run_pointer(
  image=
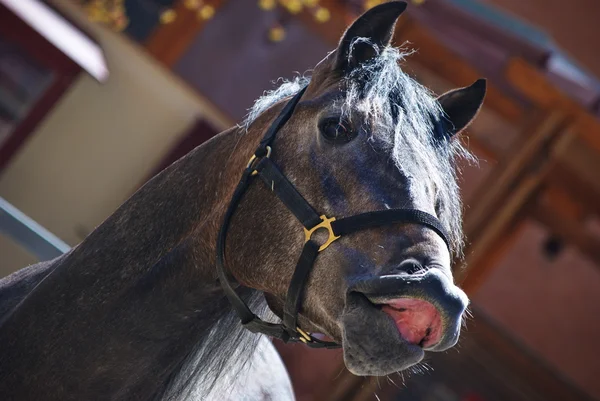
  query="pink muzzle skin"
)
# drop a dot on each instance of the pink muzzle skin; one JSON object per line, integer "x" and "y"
{"x": 418, "y": 321}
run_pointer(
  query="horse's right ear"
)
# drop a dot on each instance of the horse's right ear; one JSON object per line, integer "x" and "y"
{"x": 374, "y": 30}
{"x": 462, "y": 105}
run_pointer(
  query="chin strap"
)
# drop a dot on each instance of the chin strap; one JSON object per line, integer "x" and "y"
{"x": 262, "y": 166}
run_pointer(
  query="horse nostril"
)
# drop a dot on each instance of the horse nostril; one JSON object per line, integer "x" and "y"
{"x": 411, "y": 266}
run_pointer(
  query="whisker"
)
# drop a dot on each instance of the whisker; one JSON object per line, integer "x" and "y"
{"x": 391, "y": 381}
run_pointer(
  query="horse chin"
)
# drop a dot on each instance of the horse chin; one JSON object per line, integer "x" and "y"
{"x": 371, "y": 342}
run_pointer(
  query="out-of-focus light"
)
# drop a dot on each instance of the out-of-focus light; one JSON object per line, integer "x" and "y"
{"x": 206, "y": 12}
{"x": 267, "y": 4}
{"x": 293, "y": 6}
{"x": 192, "y": 4}
{"x": 368, "y": 4}
{"x": 168, "y": 16}
{"x": 58, "y": 31}
{"x": 111, "y": 14}
{"x": 276, "y": 34}
{"x": 322, "y": 14}
{"x": 310, "y": 3}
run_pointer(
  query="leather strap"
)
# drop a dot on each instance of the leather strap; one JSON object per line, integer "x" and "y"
{"x": 279, "y": 122}
{"x": 387, "y": 217}
{"x": 287, "y": 193}
{"x": 244, "y": 313}
{"x": 297, "y": 284}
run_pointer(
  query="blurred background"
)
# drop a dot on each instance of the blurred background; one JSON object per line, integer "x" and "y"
{"x": 96, "y": 96}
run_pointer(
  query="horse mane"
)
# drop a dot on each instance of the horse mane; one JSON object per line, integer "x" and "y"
{"x": 406, "y": 118}
{"x": 269, "y": 98}
{"x": 225, "y": 350}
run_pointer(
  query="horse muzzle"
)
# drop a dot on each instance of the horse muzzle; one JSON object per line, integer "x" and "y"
{"x": 426, "y": 308}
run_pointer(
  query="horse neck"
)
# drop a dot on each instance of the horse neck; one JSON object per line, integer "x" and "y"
{"x": 149, "y": 267}
{"x": 205, "y": 180}
{"x": 195, "y": 193}
{"x": 177, "y": 213}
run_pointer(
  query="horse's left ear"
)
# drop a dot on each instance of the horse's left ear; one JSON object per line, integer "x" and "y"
{"x": 375, "y": 26}
{"x": 462, "y": 105}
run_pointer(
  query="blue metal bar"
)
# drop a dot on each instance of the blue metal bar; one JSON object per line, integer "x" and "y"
{"x": 29, "y": 234}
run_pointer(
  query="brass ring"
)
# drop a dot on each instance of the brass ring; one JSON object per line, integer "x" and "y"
{"x": 253, "y": 159}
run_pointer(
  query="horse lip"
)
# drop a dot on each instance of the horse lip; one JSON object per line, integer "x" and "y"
{"x": 432, "y": 286}
{"x": 363, "y": 313}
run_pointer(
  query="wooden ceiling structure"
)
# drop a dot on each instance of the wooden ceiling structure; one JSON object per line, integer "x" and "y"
{"x": 549, "y": 173}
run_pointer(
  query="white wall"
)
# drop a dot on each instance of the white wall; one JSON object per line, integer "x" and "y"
{"x": 98, "y": 143}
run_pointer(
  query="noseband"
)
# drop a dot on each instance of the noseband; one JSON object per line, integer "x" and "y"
{"x": 262, "y": 166}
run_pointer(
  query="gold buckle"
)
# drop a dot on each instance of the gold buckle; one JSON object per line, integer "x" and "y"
{"x": 304, "y": 336}
{"x": 253, "y": 159}
{"x": 325, "y": 223}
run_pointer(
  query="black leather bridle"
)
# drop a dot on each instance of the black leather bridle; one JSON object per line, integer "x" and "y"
{"x": 262, "y": 166}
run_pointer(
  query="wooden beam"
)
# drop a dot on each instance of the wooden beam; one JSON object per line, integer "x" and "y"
{"x": 533, "y": 84}
{"x": 584, "y": 161}
{"x": 529, "y": 81}
{"x": 498, "y": 223}
{"x": 561, "y": 200}
{"x": 534, "y": 135}
{"x": 437, "y": 58}
{"x": 577, "y": 187}
{"x": 495, "y": 238}
{"x": 170, "y": 41}
{"x": 588, "y": 128}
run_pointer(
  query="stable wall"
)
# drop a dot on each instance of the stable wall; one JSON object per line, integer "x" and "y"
{"x": 98, "y": 144}
{"x": 549, "y": 305}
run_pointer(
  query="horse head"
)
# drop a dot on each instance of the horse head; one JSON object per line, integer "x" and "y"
{"x": 364, "y": 137}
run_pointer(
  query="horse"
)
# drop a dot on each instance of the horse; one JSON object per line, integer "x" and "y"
{"x": 148, "y": 305}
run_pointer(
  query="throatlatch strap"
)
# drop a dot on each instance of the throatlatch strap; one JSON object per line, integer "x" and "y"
{"x": 240, "y": 307}
{"x": 299, "y": 279}
{"x": 248, "y": 319}
{"x": 381, "y": 218}
{"x": 285, "y": 190}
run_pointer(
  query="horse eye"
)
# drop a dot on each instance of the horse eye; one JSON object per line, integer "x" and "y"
{"x": 336, "y": 131}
